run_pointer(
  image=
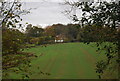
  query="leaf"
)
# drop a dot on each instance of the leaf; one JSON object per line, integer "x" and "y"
{"x": 5, "y": 12}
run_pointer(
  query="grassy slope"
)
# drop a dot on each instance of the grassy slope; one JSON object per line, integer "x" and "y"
{"x": 65, "y": 61}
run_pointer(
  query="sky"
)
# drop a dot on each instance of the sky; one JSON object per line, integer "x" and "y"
{"x": 45, "y": 13}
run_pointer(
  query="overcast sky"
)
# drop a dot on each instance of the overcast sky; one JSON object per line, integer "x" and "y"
{"x": 45, "y": 13}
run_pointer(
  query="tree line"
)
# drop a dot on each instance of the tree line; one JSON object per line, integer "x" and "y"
{"x": 70, "y": 33}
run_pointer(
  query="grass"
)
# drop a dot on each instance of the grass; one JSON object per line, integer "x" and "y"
{"x": 64, "y": 61}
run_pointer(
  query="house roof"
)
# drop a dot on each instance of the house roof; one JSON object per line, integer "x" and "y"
{"x": 59, "y": 37}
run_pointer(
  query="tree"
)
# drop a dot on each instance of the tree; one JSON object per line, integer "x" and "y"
{"x": 104, "y": 16}
{"x": 50, "y": 31}
{"x": 10, "y": 14}
{"x": 13, "y": 40}
{"x": 34, "y": 31}
{"x": 100, "y": 13}
{"x": 73, "y": 30}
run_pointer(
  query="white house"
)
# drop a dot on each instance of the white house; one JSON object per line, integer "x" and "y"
{"x": 59, "y": 38}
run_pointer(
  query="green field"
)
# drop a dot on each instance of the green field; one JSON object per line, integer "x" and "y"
{"x": 64, "y": 61}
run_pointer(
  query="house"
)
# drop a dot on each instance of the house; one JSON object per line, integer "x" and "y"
{"x": 59, "y": 38}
